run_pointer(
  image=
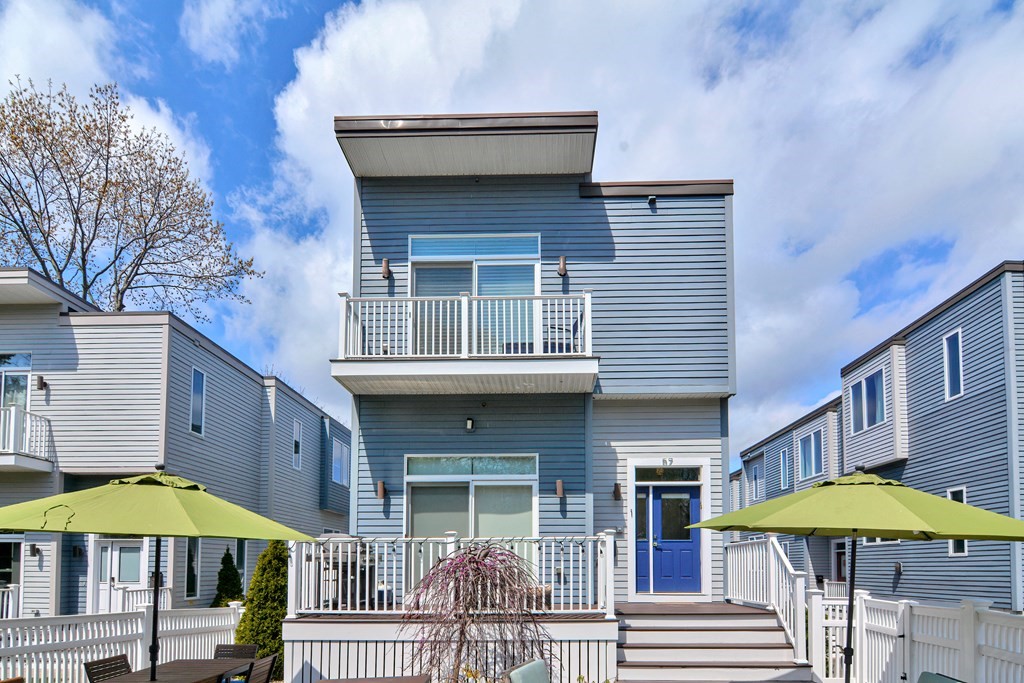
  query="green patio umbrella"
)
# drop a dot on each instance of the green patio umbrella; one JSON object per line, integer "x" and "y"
{"x": 157, "y": 505}
{"x": 865, "y": 505}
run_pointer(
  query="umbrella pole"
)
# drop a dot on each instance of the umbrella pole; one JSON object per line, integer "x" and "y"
{"x": 848, "y": 651}
{"x": 154, "y": 647}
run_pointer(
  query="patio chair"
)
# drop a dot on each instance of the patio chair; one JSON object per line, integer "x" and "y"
{"x": 16, "y": 679}
{"x": 262, "y": 670}
{"x": 237, "y": 651}
{"x": 105, "y": 669}
{"x": 927, "y": 677}
{"x": 534, "y": 671}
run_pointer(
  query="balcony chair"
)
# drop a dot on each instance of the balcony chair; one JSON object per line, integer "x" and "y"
{"x": 534, "y": 671}
{"x": 237, "y": 651}
{"x": 262, "y": 670}
{"x": 927, "y": 677}
{"x": 105, "y": 669}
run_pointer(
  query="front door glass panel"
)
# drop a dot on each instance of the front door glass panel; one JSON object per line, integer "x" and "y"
{"x": 675, "y": 516}
{"x": 129, "y": 565}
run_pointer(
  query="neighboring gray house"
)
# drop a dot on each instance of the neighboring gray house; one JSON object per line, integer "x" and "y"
{"x": 88, "y": 396}
{"x": 940, "y": 406}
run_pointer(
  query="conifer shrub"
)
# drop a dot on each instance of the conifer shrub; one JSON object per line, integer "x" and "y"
{"x": 266, "y": 605}
{"x": 229, "y": 582}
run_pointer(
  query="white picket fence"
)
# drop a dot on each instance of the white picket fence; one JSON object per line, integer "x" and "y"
{"x": 898, "y": 641}
{"x": 50, "y": 649}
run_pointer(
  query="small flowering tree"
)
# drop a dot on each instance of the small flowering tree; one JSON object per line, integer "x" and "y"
{"x": 473, "y": 615}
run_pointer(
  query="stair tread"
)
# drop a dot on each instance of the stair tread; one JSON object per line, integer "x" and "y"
{"x": 690, "y": 627}
{"x": 708, "y": 646}
{"x": 713, "y": 664}
{"x": 688, "y": 608}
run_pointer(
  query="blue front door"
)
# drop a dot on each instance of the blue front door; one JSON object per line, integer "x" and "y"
{"x": 667, "y": 553}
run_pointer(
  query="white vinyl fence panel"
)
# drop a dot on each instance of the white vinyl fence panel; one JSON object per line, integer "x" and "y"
{"x": 48, "y": 649}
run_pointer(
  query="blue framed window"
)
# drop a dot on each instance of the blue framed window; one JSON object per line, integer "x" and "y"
{"x": 811, "y": 461}
{"x": 867, "y": 401}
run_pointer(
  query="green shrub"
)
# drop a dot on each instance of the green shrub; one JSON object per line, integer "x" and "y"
{"x": 266, "y": 605}
{"x": 229, "y": 582}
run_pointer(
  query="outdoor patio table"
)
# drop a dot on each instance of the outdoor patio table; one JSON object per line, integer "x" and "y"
{"x": 190, "y": 671}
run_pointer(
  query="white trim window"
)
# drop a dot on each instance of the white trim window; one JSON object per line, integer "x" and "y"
{"x": 297, "y": 444}
{"x": 867, "y": 401}
{"x": 15, "y": 371}
{"x": 197, "y": 405}
{"x": 340, "y": 456}
{"x": 953, "y": 364}
{"x": 957, "y": 547}
{"x": 755, "y": 482}
{"x": 785, "y": 549}
{"x": 871, "y": 540}
{"x": 811, "y": 459}
{"x": 785, "y": 468}
{"x": 241, "y": 558}
{"x": 193, "y": 560}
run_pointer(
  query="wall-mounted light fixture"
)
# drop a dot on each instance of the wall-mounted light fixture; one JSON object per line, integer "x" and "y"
{"x": 559, "y": 489}
{"x": 382, "y": 490}
{"x": 41, "y": 383}
{"x": 33, "y": 550}
{"x": 470, "y": 425}
{"x": 617, "y": 491}
{"x": 652, "y": 201}
{"x": 385, "y": 268}
{"x": 898, "y": 568}
{"x": 563, "y": 270}
{"x": 77, "y": 551}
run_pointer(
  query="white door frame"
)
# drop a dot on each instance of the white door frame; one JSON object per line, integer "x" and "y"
{"x": 704, "y": 484}
{"x": 832, "y": 566}
{"x": 93, "y": 572}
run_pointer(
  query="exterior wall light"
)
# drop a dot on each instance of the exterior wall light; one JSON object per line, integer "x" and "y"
{"x": 652, "y": 201}
{"x": 33, "y": 550}
{"x": 382, "y": 490}
{"x": 617, "y": 491}
{"x": 41, "y": 383}
{"x": 385, "y": 268}
{"x": 563, "y": 270}
{"x": 470, "y": 425}
{"x": 559, "y": 489}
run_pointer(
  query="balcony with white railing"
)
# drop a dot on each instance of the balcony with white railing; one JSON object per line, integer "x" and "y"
{"x": 466, "y": 344}
{"x": 26, "y": 444}
{"x": 10, "y": 601}
{"x": 357, "y": 576}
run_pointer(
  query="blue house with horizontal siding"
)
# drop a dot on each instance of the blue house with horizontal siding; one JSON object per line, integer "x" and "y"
{"x": 939, "y": 406}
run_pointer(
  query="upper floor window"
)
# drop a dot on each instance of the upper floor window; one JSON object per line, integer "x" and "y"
{"x": 952, "y": 355}
{"x": 957, "y": 547}
{"x": 811, "y": 462}
{"x": 198, "y": 409}
{"x": 340, "y": 463}
{"x": 470, "y": 247}
{"x": 14, "y": 372}
{"x": 755, "y": 481}
{"x": 785, "y": 467}
{"x": 867, "y": 401}
{"x": 297, "y": 445}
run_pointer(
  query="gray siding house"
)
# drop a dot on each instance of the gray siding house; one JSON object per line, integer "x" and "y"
{"x": 88, "y": 396}
{"x": 938, "y": 405}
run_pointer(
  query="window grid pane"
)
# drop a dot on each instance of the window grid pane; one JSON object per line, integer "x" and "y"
{"x": 857, "y": 402}
{"x": 527, "y": 246}
{"x": 953, "y": 366}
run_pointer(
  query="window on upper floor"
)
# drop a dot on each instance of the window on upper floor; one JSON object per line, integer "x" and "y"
{"x": 785, "y": 467}
{"x": 811, "y": 461}
{"x": 14, "y": 371}
{"x": 340, "y": 462}
{"x": 198, "y": 406}
{"x": 755, "y": 482}
{"x": 867, "y": 401}
{"x": 953, "y": 364}
{"x": 957, "y": 547}
{"x": 297, "y": 445}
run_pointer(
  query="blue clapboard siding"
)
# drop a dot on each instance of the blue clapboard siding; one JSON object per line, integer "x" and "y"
{"x": 551, "y": 426}
{"x": 659, "y": 277}
{"x": 962, "y": 442}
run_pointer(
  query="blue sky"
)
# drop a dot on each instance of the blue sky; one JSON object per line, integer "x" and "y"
{"x": 877, "y": 147}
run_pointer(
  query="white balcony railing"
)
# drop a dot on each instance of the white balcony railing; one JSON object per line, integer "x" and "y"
{"x": 835, "y": 589}
{"x": 131, "y": 599}
{"x": 24, "y": 433}
{"x": 465, "y": 326}
{"x": 10, "y": 601}
{"x": 360, "y": 575}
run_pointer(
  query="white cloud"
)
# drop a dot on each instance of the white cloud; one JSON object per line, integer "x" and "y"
{"x": 846, "y": 141}
{"x": 216, "y": 30}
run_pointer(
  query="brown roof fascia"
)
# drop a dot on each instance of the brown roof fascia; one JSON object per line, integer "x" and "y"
{"x": 662, "y": 188}
{"x": 816, "y": 413}
{"x": 465, "y": 124}
{"x": 901, "y": 337}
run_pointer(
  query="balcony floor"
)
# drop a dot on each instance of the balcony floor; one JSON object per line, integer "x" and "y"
{"x": 17, "y": 462}
{"x": 497, "y": 375}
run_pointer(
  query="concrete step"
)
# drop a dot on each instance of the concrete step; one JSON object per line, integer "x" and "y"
{"x": 683, "y": 654}
{"x": 717, "y": 671}
{"x": 749, "y": 635}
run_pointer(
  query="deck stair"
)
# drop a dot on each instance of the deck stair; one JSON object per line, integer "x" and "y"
{"x": 661, "y": 642}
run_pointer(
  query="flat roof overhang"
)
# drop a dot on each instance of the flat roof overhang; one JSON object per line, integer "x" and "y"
{"x": 572, "y": 375}
{"x": 16, "y": 462}
{"x": 545, "y": 143}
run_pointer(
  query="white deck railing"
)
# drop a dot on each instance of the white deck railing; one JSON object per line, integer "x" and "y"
{"x": 835, "y": 589}
{"x": 46, "y": 649}
{"x": 131, "y": 599}
{"x": 465, "y": 326}
{"x": 24, "y": 433}
{"x": 10, "y": 601}
{"x": 759, "y": 574}
{"x": 359, "y": 575}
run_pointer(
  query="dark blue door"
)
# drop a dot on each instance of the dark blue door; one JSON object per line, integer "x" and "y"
{"x": 675, "y": 550}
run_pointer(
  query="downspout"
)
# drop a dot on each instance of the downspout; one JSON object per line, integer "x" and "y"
{"x": 1013, "y": 436}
